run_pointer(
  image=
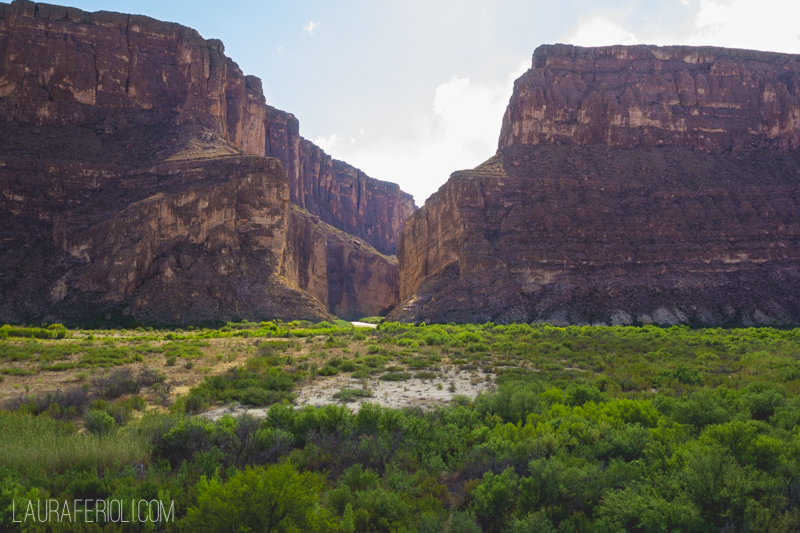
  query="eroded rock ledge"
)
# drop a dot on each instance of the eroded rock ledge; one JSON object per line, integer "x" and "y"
{"x": 139, "y": 177}
{"x": 622, "y": 194}
{"x": 60, "y": 65}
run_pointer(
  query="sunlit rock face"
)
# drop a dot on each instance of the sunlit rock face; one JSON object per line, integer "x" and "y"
{"x": 711, "y": 99}
{"x": 139, "y": 178}
{"x": 634, "y": 184}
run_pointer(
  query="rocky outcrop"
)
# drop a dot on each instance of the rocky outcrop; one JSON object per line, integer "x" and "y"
{"x": 345, "y": 273}
{"x": 336, "y": 192}
{"x": 111, "y": 71}
{"x": 711, "y": 99}
{"x": 138, "y": 182}
{"x": 197, "y": 236}
{"x": 591, "y": 215}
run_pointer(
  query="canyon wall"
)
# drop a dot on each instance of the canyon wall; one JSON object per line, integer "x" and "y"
{"x": 712, "y": 99}
{"x": 632, "y": 185}
{"x": 199, "y": 235}
{"x": 111, "y": 71}
{"x": 336, "y": 192}
{"x": 140, "y": 180}
{"x": 343, "y": 272}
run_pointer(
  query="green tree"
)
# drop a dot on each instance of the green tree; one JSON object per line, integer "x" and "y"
{"x": 276, "y": 499}
{"x": 494, "y": 499}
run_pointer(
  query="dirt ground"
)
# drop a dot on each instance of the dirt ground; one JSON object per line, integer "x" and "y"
{"x": 225, "y": 353}
{"x": 414, "y": 392}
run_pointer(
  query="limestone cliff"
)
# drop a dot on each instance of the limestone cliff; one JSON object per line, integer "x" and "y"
{"x": 336, "y": 192}
{"x": 712, "y": 99}
{"x": 138, "y": 178}
{"x": 60, "y": 65}
{"x": 632, "y": 184}
{"x": 343, "y": 272}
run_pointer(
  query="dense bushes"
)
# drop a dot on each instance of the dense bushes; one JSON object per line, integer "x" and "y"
{"x": 277, "y": 498}
{"x": 251, "y": 387}
{"x": 590, "y": 430}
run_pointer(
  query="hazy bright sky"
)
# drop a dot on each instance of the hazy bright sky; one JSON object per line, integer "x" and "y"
{"x": 411, "y": 91}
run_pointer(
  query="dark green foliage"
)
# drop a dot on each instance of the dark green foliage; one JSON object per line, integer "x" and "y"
{"x": 396, "y": 376}
{"x": 351, "y": 395}
{"x": 590, "y": 429}
{"x": 99, "y": 422}
{"x": 328, "y": 370}
{"x": 494, "y": 499}
{"x": 273, "y": 499}
{"x": 251, "y": 387}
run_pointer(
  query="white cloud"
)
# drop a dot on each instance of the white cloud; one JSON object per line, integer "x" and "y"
{"x": 600, "y": 31}
{"x": 327, "y": 143}
{"x": 310, "y": 27}
{"x": 280, "y": 50}
{"x": 757, "y": 24}
{"x": 361, "y": 131}
{"x": 460, "y": 131}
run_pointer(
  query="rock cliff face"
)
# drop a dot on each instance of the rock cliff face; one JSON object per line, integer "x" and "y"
{"x": 336, "y": 192}
{"x": 134, "y": 182}
{"x": 60, "y": 65}
{"x": 623, "y": 192}
{"x": 343, "y": 272}
{"x": 712, "y": 99}
{"x": 199, "y": 235}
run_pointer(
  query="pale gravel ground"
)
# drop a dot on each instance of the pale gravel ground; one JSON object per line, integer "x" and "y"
{"x": 410, "y": 393}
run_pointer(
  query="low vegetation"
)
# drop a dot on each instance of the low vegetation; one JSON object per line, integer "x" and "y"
{"x": 589, "y": 429}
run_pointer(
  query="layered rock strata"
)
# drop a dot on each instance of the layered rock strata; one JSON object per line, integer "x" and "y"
{"x": 345, "y": 273}
{"x": 196, "y": 236}
{"x": 336, "y": 192}
{"x": 111, "y": 71}
{"x": 622, "y": 193}
{"x": 134, "y": 183}
{"x": 711, "y": 99}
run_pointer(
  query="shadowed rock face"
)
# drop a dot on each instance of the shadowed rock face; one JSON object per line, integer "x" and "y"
{"x": 585, "y": 217}
{"x": 133, "y": 183}
{"x": 60, "y": 65}
{"x": 343, "y": 272}
{"x": 336, "y": 192}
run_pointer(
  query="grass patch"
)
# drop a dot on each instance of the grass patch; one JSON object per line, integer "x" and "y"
{"x": 32, "y": 444}
{"x": 351, "y": 395}
{"x": 395, "y": 376}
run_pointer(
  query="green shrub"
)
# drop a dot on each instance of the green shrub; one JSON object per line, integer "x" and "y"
{"x": 395, "y": 376}
{"x": 328, "y": 370}
{"x": 276, "y": 498}
{"x": 99, "y": 423}
{"x": 351, "y": 395}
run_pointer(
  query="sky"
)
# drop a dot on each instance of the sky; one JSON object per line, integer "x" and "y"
{"x": 411, "y": 91}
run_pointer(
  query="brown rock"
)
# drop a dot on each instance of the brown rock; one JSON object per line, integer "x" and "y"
{"x": 711, "y": 99}
{"x": 570, "y": 224}
{"x": 134, "y": 182}
{"x": 197, "y": 238}
{"x": 338, "y": 193}
{"x": 343, "y": 272}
